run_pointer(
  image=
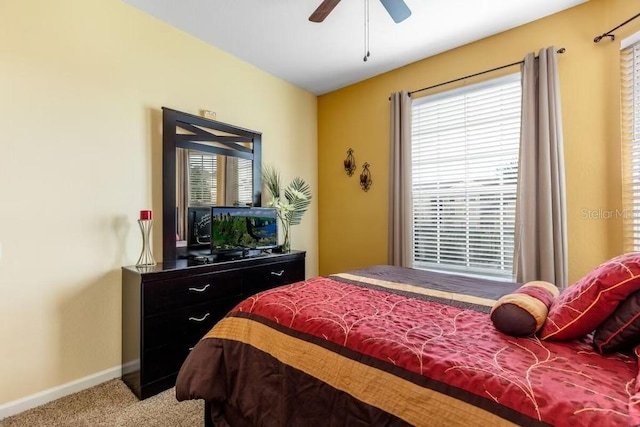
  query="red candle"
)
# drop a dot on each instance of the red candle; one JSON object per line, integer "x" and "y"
{"x": 145, "y": 215}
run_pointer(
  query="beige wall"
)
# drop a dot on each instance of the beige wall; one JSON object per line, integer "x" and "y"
{"x": 354, "y": 223}
{"x": 81, "y": 87}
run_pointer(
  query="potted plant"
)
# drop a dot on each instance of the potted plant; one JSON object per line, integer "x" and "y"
{"x": 291, "y": 207}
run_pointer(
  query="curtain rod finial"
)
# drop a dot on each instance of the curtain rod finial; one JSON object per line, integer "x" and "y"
{"x": 609, "y": 33}
{"x": 599, "y": 38}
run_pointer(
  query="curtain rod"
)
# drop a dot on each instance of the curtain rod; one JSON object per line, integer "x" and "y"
{"x": 608, "y": 33}
{"x": 561, "y": 50}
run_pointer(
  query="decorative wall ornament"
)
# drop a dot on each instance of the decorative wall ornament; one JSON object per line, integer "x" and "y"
{"x": 365, "y": 177}
{"x": 349, "y": 162}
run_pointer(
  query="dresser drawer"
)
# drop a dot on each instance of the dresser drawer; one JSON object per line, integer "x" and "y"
{"x": 270, "y": 276}
{"x": 166, "y": 295}
{"x": 163, "y": 361}
{"x": 187, "y": 325}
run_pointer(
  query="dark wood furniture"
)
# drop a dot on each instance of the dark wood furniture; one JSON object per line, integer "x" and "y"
{"x": 167, "y": 308}
{"x": 187, "y": 131}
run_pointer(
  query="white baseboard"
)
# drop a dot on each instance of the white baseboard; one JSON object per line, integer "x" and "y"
{"x": 46, "y": 396}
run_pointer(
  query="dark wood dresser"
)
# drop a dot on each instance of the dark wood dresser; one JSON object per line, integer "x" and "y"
{"x": 167, "y": 308}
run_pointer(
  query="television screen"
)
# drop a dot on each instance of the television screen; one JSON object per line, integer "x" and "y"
{"x": 199, "y": 226}
{"x": 238, "y": 228}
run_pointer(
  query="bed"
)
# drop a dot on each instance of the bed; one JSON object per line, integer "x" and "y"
{"x": 392, "y": 346}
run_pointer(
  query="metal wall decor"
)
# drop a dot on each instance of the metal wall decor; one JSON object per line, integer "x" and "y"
{"x": 349, "y": 162}
{"x": 365, "y": 177}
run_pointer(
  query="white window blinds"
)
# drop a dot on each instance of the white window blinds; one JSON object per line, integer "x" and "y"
{"x": 245, "y": 182}
{"x": 630, "y": 130}
{"x": 206, "y": 173}
{"x": 465, "y": 146}
{"x": 202, "y": 178}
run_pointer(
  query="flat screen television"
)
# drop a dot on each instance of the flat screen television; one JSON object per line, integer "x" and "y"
{"x": 235, "y": 229}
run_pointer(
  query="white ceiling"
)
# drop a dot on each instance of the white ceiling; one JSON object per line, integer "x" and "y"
{"x": 276, "y": 35}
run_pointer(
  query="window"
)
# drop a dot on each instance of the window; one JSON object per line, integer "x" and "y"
{"x": 222, "y": 180}
{"x": 203, "y": 170}
{"x": 630, "y": 130}
{"x": 465, "y": 145}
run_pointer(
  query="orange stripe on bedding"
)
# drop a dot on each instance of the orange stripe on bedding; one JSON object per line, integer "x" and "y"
{"x": 418, "y": 290}
{"x": 408, "y": 401}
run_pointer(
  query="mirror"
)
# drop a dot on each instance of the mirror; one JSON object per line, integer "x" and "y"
{"x": 205, "y": 163}
{"x": 205, "y": 179}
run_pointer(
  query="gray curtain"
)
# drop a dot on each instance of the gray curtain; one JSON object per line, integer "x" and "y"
{"x": 400, "y": 251}
{"x": 540, "y": 251}
{"x": 182, "y": 192}
{"x": 231, "y": 186}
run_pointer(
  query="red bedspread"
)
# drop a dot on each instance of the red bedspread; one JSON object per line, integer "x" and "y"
{"x": 396, "y": 347}
{"x": 556, "y": 383}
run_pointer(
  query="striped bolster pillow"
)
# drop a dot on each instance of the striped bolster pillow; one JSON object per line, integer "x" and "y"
{"x": 523, "y": 312}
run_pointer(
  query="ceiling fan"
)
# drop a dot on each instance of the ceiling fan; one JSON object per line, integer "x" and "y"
{"x": 397, "y": 9}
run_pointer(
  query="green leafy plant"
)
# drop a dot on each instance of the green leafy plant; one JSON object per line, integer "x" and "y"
{"x": 291, "y": 207}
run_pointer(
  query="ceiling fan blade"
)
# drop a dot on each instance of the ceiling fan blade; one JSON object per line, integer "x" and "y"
{"x": 323, "y": 10}
{"x": 398, "y": 9}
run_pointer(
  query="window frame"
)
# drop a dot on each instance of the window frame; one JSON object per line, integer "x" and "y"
{"x": 506, "y": 272}
{"x": 630, "y": 141}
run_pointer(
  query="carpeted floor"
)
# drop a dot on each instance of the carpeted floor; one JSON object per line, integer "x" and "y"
{"x": 112, "y": 404}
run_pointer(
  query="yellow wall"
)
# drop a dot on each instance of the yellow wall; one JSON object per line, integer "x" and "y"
{"x": 81, "y": 87}
{"x": 353, "y": 223}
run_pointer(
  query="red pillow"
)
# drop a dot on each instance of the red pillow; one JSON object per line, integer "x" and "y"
{"x": 582, "y": 307}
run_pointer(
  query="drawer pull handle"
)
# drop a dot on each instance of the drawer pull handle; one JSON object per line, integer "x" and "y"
{"x": 199, "y": 319}
{"x": 202, "y": 289}
{"x": 278, "y": 273}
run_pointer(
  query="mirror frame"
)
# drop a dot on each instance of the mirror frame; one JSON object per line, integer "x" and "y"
{"x": 196, "y": 132}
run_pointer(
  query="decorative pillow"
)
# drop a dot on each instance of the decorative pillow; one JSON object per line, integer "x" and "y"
{"x": 523, "y": 312}
{"x": 621, "y": 330}
{"x": 581, "y": 308}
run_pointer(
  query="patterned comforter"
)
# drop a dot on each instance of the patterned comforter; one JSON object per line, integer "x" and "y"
{"x": 395, "y": 346}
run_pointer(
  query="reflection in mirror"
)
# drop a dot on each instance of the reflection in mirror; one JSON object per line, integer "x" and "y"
{"x": 204, "y": 163}
{"x": 209, "y": 179}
